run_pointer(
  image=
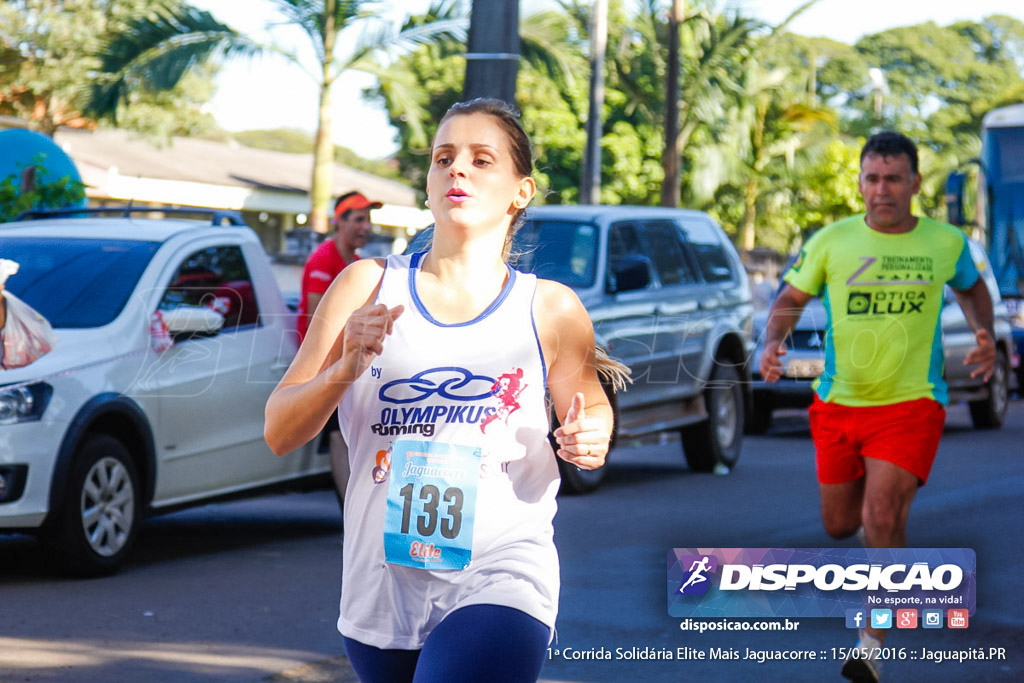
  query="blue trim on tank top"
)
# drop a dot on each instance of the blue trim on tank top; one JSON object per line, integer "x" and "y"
{"x": 414, "y": 264}
{"x": 536, "y": 336}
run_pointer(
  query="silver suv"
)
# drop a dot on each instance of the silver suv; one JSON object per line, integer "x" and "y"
{"x": 668, "y": 297}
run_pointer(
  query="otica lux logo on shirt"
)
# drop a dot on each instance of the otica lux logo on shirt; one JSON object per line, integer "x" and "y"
{"x": 903, "y": 278}
{"x": 447, "y": 395}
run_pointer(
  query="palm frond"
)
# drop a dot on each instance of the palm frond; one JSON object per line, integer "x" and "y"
{"x": 543, "y": 44}
{"x": 157, "y": 50}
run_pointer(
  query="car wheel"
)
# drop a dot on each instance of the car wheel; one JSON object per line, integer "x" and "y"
{"x": 760, "y": 418}
{"x": 989, "y": 412}
{"x": 98, "y": 522}
{"x": 715, "y": 443}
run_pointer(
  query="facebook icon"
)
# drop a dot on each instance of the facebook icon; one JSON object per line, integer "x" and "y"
{"x": 854, "y": 618}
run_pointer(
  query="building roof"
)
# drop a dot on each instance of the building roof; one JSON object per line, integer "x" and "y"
{"x": 187, "y": 160}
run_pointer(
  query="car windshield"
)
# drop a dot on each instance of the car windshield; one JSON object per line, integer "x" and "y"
{"x": 565, "y": 251}
{"x": 76, "y": 283}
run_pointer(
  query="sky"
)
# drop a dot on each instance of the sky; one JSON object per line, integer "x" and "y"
{"x": 271, "y": 92}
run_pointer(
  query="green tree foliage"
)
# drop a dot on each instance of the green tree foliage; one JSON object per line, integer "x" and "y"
{"x": 49, "y": 60}
{"x": 45, "y": 194}
{"x": 159, "y": 49}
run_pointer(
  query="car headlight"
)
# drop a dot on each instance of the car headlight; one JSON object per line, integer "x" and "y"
{"x": 24, "y": 403}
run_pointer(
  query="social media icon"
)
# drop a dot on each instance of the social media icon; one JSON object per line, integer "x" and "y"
{"x": 957, "y": 618}
{"x": 881, "y": 618}
{"x": 855, "y": 618}
{"x": 906, "y": 618}
{"x": 931, "y": 618}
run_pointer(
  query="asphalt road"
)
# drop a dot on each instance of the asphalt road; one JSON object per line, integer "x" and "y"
{"x": 248, "y": 591}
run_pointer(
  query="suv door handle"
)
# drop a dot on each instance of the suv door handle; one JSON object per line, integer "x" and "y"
{"x": 675, "y": 309}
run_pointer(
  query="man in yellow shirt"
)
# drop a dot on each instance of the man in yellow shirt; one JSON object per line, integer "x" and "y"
{"x": 878, "y": 413}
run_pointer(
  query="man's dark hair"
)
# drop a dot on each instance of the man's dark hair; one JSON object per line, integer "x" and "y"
{"x": 891, "y": 144}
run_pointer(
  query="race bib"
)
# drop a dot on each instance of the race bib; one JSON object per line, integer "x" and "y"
{"x": 431, "y": 504}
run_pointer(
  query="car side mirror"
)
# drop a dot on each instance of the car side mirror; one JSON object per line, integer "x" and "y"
{"x": 629, "y": 274}
{"x": 184, "y": 322}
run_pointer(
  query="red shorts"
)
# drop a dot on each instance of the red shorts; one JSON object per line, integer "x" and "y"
{"x": 905, "y": 434}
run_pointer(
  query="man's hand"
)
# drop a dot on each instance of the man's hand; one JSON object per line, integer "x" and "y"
{"x": 983, "y": 355}
{"x": 771, "y": 365}
{"x": 581, "y": 440}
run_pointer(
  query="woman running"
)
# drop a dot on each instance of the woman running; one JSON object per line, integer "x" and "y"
{"x": 438, "y": 364}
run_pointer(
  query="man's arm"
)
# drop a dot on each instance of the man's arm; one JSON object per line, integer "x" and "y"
{"x": 782, "y": 318}
{"x": 312, "y": 301}
{"x": 976, "y": 303}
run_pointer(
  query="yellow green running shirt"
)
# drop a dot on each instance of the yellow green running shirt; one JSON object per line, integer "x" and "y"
{"x": 883, "y": 296}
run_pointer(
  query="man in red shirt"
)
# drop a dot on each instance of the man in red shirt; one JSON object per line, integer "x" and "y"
{"x": 351, "y": 231}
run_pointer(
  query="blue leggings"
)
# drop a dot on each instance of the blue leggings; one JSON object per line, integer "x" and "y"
{"x": 475, "y": 643}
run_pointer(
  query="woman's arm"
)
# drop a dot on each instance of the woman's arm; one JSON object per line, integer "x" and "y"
{"x": 567, "y": 339}
{"x": 346, "y": 333}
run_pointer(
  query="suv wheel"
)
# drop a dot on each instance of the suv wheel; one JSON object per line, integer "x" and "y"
{"x": 717, "y": 441}
{"x": 989, "y": 412}
{"x": 98, "y": 522}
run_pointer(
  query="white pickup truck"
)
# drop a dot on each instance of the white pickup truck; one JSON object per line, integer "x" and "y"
{"x": 171, "y": 334}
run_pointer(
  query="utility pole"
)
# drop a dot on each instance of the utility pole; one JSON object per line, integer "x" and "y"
{"x": 670, "y": 155}
{"x": 492, "y": 51}
{"x": 590, "y": 181}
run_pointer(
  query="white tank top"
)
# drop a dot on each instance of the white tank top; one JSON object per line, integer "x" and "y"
{"x": 447, "y": 433}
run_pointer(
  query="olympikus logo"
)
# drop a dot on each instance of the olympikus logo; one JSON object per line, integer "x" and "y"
{"x": 451, "y": 383}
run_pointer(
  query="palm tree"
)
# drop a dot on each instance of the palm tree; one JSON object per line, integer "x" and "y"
{"x": 710, "y": 48}
{"x": 157, "y": 50}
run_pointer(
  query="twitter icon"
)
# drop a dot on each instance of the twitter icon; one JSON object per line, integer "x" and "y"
{"x": 881, "y": 618}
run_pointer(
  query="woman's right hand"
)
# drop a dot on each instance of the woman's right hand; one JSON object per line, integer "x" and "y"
{"x": 363, "y": 337}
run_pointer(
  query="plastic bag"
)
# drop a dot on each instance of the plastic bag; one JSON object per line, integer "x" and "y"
{"x": 26, "y": 335}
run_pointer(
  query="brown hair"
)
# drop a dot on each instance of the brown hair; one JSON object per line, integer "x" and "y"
{"x": 522, "y": 152}
{"x": 612, "y": 371}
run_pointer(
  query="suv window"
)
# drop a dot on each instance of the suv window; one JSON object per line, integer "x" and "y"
{"x": 215, "y": 277}
{"x": 76, "y": 283}
{"x": 667, "y": 253}
{"x": 558, "y": 250}
{"x": 712, "y": 258}
{"x": 624, "y": 241}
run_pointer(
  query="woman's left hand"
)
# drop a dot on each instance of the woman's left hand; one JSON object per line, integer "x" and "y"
{"x": 582, "y": 440}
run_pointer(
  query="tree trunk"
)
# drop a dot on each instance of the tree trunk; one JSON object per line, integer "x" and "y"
{"x": 323, "y": 148}
{"x": 748, "y": 224}
{"x": 590, "y": 185}
{"x": 670, "y": 156}
{"x": 752, "y": 191}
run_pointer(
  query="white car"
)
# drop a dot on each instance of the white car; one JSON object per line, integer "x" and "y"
{"x": 171, "y": 334}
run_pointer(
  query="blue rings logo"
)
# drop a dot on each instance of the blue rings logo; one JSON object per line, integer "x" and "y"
{"x": 451, "y": 383}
